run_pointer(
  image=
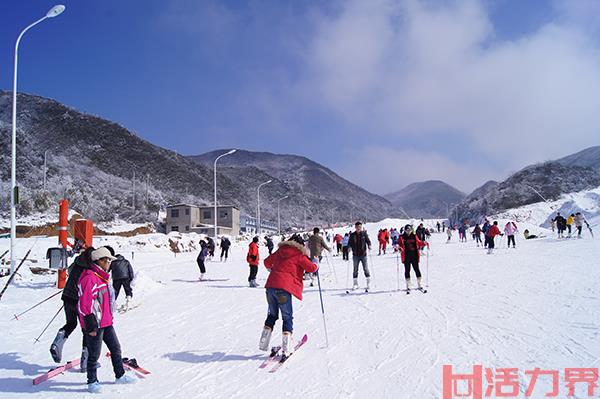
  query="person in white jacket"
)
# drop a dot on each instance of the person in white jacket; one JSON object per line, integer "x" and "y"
{"x": 510, "y": 229}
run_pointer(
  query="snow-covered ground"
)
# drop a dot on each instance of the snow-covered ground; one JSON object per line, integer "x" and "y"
{"x": 533, "y": 306}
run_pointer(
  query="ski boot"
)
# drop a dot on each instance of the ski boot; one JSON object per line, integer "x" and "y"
{"x": 368, "y": 284}
{"x": 265, "y": 338}
{"x": 57, "y": 346}
{"x": 355, "y": 284}
{"x": 201, "y": 278}
{"x": 419, "y": 283}
{"x": 287, "y": 345}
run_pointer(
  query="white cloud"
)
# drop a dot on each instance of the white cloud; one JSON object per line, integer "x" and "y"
{"x": 398, "y": 68}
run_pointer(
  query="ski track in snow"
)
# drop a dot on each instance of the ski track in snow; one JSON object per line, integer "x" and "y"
{"x": 533, "y": 306}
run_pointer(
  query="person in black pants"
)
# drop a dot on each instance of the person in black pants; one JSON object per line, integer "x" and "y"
{"x": 225, "y": 244}
{"x": 122, "y": 276}
{"x": 202, "y": 257}
{"x": 70, "y": 296}
{"x": 410, "y": 246}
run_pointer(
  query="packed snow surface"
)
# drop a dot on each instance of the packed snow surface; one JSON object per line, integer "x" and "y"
{"x": 533, "y": 306}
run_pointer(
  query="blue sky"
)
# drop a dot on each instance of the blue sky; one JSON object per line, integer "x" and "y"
{"x": 384, "y": 92}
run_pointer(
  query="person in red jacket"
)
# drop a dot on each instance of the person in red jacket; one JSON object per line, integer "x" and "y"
{"x": 410, "y": 245}
{"x": 491, "y": 234}
{"x": 287, "y": 267}
{"x": 253, "y": 259}
{"x": 381, "y": 237}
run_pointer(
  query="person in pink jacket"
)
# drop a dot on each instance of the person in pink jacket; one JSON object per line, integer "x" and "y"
{"x": 510, "y": 229}
{"x": 95, "y": 307}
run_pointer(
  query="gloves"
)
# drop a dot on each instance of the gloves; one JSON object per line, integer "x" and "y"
{"x": 253, "y": 257}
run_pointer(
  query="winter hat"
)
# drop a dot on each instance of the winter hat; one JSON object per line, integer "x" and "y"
{"x": 100, "y": 253}
{"x": 297, "y": 238}
{"x": 255, "y": 239}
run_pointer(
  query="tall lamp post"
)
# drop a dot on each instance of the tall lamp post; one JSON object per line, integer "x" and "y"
{"x": 215, "y": 181}
{"x": 258, "y": 229}
{"x": 54, "y": 11}
{"x": 278, "y": 215}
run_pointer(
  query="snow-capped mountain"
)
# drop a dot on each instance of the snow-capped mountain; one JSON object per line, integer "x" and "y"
{"x": 426, "y": 199}
{"x": 541, "y": 182}
{"x": 308, "y": 184}
{"x": 92, "y": 162}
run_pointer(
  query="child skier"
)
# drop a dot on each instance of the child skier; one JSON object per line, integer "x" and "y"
{"x": 287, "y": 266}
{"x": 492, "y": 232}
{"x": 253, "y": 258}
{"x": 95, "y": 306}
{"x": 510, "y": 229}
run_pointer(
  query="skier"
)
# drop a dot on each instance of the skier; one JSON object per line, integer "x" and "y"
{"x": 409, "y": 245}
{"x": 510, "y": 229}
{"x": 211, "y": 247}
{"x": 449, "y": 233}
{"x": 382, "y": 242}
{"x": 359, "y": 242}
{"x": 338, "y": 243}
{"x": 569, "y": 223}
{"x": 225, "y": 244}
{"x": 438, "y": 226}
{"x": 492, "y": 232}
{"x": 561, "y": 224}
{"x": 96, "y": 302}
{"x": 70, "y": 296}
{"x": 420, "y": 232}
{"x": 287, "y": 266}
{"x": 485, "y": 229}
{"x": 122, "y": 276}
{"x": 253, "y": 258}
{"x": 443, "y": 226}
{"x": 477, "y": 234}
{"x": 269, "y": 244}
{"x": 529, "y": 236}
{"x": 316, "y": 244}
{"x": 579, "y": 220}
{"x": 345, "y": 255}
{"x": 201, "y": 258}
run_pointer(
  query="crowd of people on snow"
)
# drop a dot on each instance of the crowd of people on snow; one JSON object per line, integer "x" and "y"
{"x": 89, "y": 295}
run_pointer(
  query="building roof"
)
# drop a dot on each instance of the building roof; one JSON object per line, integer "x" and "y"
{"x": 177, "y": 205}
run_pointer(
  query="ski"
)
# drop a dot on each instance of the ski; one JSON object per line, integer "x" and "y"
{"x": 273, "y": 356}
{"x": 124, "y": 309}
{"x": 56, "y": 371}
{"x": 209, "y": 280}
{"x": 132, "y": 364}
{"x": 285, "y": 358}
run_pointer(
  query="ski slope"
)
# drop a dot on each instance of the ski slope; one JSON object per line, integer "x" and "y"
{"x": 533, "y": 306}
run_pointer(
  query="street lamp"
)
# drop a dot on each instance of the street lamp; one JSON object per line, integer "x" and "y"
{"x": 278, "y": 215}
{"x": 54, "y": 11}
{"x": 258, "y": 229}
{"x": 215, "y": 181}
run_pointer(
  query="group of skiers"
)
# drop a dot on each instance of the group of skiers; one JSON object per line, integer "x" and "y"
{"x": 89, "y": 297}
{"x": 561, "y": 224}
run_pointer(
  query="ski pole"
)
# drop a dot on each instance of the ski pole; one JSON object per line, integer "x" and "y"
{"x": 331, "y": 268}
{"x": 322, "y": 308}
{"x": 348, "y": 274}
{"x": 48, "y": 325}
{"x": 398, "y": 270}
{"x": 10, "y": 279}
{"x": 372, "y": 267}
{"x": 427, "y": 268}
{"x": 36, "y": 305}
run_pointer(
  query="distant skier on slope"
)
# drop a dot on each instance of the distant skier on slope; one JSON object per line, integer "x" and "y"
{"x": 316, "y": 244}
{"x": 485, "y": 228}
{"x": 269, "y": 244}
{"x": 410, "y": 245}
{"x": 510, "y": 229}
{"x": 287, "y": 266}
{"x": 345, "y": 248}
{"x": 225, "y": 245}
{"x": 122, "y": 276}
{"x": 359, "y": 242}
{"x": 579, "y": 221}
{"x": 202, "y": 258}
{"x": 477, "y": 234}
{"x": 491, "y": 235}
{"x": 561, "y": 224}
{"x": 253, "y": 259}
